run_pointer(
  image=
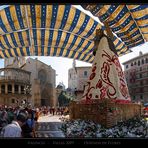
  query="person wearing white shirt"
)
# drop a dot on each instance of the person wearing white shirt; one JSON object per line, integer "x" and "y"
{"x": 14, "y": 129}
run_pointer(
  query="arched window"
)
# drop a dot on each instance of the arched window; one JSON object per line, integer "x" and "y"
{"x": 13, "y": 101}
{"x": 3, "y": 89}
{"x": 16, "y": 88}
{"x": 9, "y": 88}
{"x": 85, "y": 73}
{"x": 141, "y": 97}
{"x": 138, "y": 63}
{"x": 22, "y": 89}
{"x": 142, "y": 61}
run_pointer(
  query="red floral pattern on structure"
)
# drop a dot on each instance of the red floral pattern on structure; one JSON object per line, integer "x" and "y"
{"x": 92, "y": 76}
{"x": 104, "y": 85}
{"x": 88, "y": 94}
{"x": 99, "y": 84}
{"x": 103, "y": 91}
{"x": 105, "y": 78}
{"x": 123, "y": 88}
{"x": 105, "y": 72}
{"x": 114, "y": 60}
{"x": 94, "y": 69}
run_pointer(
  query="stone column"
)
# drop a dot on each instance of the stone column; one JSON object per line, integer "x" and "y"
{"x": 6, "y": 88}
{"x": 13, "y": 88}
{"x": 0, "y": 89}
{"x": 19, "y": 89}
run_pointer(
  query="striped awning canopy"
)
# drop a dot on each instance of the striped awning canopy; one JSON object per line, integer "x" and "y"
{"x": 63, "y": 30}
{"x": 128, "y": 22}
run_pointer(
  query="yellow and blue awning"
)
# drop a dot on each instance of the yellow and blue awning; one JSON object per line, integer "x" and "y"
{"x": 58, "y": 30}
{"x": 128, "y": 22}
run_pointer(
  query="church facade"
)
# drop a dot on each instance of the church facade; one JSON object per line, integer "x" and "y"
{"x": 41, "y": 81}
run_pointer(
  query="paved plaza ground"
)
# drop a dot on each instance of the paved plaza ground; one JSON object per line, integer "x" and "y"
{"x": 49, "y": 126}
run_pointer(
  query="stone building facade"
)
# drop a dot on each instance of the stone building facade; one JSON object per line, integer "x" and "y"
{"x": 12, "y": 86}
{"x": 136, "y": 73}
{"x": 77, "y": 78}
{"x": 42, "y": 80}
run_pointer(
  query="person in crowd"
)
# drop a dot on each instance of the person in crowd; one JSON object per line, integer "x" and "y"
{"x": 66, "y": 111}
{"x": 53, "y": 110}
{"x": 28, "y": 129}
{"x": 50, "y": 110}
{"x": 14, "y": 129}
{"x": 57, "y": 111}
{"x": 37, "y": 114}
{"x": 3, "y": 118}
{"x": 62, "y": 111}
{"x": 11, "y": 115}
{"x": 36, "y": 117}
{"x": 44, "y": 111}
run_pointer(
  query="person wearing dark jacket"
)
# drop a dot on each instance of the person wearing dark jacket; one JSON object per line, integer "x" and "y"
{"x": 28, "y": 128}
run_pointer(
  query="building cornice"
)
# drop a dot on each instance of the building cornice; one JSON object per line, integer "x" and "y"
{"x": 136, "y": 58}
{"x": 17, "y": 69}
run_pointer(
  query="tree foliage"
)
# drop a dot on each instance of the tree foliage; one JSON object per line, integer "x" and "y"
{"x": 63, "y": 99}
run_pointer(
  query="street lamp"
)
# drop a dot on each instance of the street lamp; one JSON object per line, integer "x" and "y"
{"x": 27, "y": 91}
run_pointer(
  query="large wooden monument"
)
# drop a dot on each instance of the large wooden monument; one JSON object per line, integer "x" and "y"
{"x": 106, "y": 98}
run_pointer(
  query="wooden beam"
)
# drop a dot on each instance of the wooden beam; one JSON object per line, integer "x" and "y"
{"x": 108, "y": 30}
{"x": 99, "y": 34}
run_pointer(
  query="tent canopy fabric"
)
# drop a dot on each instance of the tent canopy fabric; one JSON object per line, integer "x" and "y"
{"x": 59, "y": 30}
{"x": 128, "y": 22}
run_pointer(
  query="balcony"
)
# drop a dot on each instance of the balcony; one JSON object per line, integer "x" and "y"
{"x": 14, "y": 74}
{"x": 13, "y": 79}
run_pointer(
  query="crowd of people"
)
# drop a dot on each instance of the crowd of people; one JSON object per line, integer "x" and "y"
{"x": 18, "y": 121}
{"x": 23, "y": 121}
{"x": 45, "y": 110}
